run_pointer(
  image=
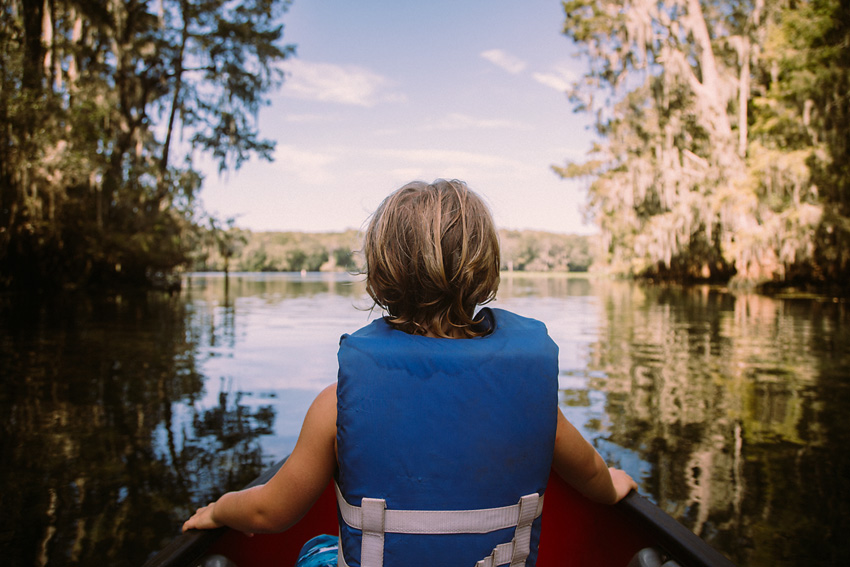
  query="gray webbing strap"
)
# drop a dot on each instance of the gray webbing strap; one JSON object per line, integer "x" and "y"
{"x": 340, "y": 556}
{"x": 374, "y": 520}
{"x": 501, "y": 555}
{"x": 420, "y": 522}
{"x": 372, "y": 540}
{"x": 518, "y": 549}
{"x": 522, "y": 536}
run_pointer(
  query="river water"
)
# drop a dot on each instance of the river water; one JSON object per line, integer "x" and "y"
{"x": 121, "y": 414}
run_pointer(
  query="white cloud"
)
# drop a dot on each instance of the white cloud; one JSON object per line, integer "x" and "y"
{"x": 506, "y": 61}
{"x": 309, "y": 118}
{"x": 308, "y": 167}
{"x": 560, "y": 79}
{"x": 327, "y": 82}
{"x": 458, "y": 121}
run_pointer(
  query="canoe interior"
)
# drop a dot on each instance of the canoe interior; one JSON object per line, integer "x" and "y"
{"x": 576, "y": 532}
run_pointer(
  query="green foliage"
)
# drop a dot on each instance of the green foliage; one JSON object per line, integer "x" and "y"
{"x": 228, "y": 242}
{"x": 255, "y": 261}
{"x": 535, "y": 251}
{"x": 286, "y": 252}
{"x": 91, "y": 98}
{"x": 344, "y": 258}
{"x": 723, "y": 143}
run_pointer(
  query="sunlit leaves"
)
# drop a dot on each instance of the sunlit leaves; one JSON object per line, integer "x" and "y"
{"x": 721, "y": 125}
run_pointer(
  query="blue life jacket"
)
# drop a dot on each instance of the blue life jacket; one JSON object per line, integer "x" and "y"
{"x": 428, "y": 424}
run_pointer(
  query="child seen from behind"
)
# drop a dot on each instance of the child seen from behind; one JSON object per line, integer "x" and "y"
{"x": 443, "y": 424}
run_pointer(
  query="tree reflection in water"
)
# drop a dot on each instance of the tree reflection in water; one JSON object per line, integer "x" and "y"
{"x": 737, "y": 403}
{"x": 104, "y": 450}
{"x": 730, "y": 409}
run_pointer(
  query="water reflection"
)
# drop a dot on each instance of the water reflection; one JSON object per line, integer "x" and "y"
{"x": 121, "y": 414}
{"x": 103, "y": 449}
{"x": 727, "y": 407}
{"x": 735, "y": 403}
{"x": 273, "y": 287}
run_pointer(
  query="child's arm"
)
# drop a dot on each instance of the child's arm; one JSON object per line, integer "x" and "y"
{"x": 578, "y": 463}
{"x": 283, "y": 500}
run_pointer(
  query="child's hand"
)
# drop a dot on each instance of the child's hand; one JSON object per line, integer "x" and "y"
{"x": 623, "y": 483}
{"x": 202, "y": 519}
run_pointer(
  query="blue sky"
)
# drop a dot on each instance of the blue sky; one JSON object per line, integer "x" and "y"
{"x": 384, "y": 92}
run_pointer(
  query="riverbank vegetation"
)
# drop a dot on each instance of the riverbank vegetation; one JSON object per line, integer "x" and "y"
{"x": 723, "y": 137}
{"x": 235, "y": 249}
{"x": 722, "y": 149}
{"x": 104, "y": 109}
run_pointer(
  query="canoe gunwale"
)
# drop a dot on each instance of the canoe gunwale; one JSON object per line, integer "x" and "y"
{"x": 680, "y": 543}
{"x": 683, "y": 545}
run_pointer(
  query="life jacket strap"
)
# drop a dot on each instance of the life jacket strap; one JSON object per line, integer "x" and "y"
{"x": 516, "y": 551}
{"x": 373, "y": 516}
{"x": 528, "y": 506}
{"x": 374, "y": 520}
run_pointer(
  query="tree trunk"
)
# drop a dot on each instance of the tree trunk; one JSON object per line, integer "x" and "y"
{"x": 709, "y": 86}
{"x": 162, "y": 188}
{"x": 33, "y": 15}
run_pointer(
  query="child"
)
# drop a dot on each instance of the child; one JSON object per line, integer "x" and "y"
{"x": 437, "y": 409}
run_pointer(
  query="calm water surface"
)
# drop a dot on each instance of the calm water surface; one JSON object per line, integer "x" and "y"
{"x": 121, "y": 414}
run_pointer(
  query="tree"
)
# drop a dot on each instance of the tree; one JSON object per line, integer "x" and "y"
{"x": 344, "y": 258}
{"x": 229, "y": 241}
{"x": 811, "y": 59}
{"x": 93, "y": 98}
{"x": 689, "y": 179}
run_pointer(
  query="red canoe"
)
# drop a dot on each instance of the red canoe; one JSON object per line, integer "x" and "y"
{"x": 576, "y": 532}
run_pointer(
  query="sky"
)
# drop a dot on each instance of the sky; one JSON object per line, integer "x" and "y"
{"x": 383, "y": 92}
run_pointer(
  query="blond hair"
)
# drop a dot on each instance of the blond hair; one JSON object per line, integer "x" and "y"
{"x": 432, "y": 256}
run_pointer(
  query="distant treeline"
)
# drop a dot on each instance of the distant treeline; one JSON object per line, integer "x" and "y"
{"x": 244, "y": 251}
